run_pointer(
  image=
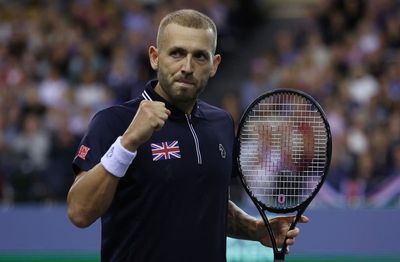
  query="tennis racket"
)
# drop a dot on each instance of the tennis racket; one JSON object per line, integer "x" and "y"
{"x": 283, "y": 151}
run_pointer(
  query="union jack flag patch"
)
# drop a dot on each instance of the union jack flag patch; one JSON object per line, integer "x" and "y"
{"x": 165, "y": 150}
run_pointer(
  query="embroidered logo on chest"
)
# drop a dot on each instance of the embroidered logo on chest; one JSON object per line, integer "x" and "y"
{"x": 165, "y": 150}
{"x": 222, "y": 150}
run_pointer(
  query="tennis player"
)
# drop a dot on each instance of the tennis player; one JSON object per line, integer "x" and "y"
{"x": 157, "y": 169}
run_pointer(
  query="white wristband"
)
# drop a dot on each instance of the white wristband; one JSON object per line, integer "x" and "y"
{"x": 117, "y": 159}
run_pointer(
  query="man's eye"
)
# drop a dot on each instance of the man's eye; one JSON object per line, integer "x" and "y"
{"x": 201, "y": 57}
{"x": 176, "y": 54}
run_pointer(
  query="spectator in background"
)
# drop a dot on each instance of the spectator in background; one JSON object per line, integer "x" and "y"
{"x": 285, "y": 48}
{"x": 256, "y": 84}
{"x": 395, "y": 160}
{"x": 362, "y": 85}
{"x": 3, "y": 154}
{"x": 62, "y": 149}
{"x": 393, "y": 81}
{"x": 121, "y": 76}
{"x": 355, "y": 188}
{"x": 31, "y": 103}
{"x": 53, "y": 89}
{"x": 90, "y": 93}
{"x": 31, "y": 149}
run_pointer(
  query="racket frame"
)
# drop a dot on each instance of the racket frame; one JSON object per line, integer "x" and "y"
{"x": 279, "y": 255}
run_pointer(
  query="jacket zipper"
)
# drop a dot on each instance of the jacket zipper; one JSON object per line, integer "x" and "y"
{"x": 196, "y": 140}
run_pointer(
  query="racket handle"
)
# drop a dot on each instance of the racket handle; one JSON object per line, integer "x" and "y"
{"x": 279, "y": 256}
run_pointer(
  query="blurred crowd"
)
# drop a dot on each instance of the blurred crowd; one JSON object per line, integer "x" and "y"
{"x": 62, "y": 61}
{"x": 346, "y": 53}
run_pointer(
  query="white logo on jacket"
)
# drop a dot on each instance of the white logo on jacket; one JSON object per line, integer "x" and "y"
{"x": 222, "y": 150}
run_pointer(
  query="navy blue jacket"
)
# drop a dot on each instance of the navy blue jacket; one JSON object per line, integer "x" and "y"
{"x": 172, "y": 203}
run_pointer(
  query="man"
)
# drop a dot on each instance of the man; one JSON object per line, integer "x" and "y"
{"x": 157, "y": 169}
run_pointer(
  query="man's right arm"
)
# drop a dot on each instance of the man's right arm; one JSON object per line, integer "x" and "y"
{"x": 92, "y": 192}
{"x": 91, "y": 195}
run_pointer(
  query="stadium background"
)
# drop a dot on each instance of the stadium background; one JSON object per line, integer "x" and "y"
{"x": 61, "y": 61}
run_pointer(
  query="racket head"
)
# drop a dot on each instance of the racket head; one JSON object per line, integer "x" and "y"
{"x": 283, "y": 150}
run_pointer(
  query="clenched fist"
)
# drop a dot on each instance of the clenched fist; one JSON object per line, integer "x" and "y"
{"x": 150, "y": 117}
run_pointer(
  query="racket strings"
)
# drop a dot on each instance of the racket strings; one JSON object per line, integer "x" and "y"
{"x": 283, "y": 150}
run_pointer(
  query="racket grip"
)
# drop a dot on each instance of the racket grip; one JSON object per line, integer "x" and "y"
{"x": 279, "y": 256}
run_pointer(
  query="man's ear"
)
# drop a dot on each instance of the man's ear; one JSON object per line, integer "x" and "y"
{"x": 216, "y": 62}
{"x": 153, "y": 57}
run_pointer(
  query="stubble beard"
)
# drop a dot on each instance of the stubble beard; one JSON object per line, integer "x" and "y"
{"x": 175, "y": 95}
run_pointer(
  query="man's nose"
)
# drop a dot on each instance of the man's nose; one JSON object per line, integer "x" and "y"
{"x": 187, "y": 66}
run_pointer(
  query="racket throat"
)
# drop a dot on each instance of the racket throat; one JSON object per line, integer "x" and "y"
{"x": 278, "y": 253}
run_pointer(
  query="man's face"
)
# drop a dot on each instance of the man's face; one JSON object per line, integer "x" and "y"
{"x": 184, "y": 61}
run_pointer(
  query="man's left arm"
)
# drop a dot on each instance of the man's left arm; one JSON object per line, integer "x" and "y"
{"x": 243, "y": 226}
{"x": 240, "y": 224}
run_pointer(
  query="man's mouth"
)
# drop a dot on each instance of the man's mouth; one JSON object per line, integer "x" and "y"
{"x": 185, "y": 81}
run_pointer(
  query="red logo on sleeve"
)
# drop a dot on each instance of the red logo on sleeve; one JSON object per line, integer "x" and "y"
{"x": 83, "y": 150}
